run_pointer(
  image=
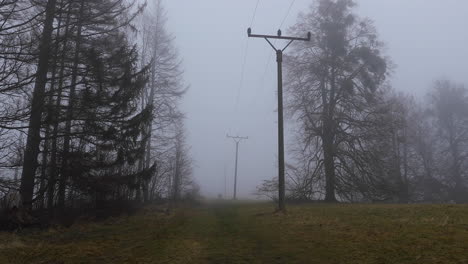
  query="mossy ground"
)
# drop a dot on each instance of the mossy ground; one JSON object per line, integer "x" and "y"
{"x": 251, "y": 233}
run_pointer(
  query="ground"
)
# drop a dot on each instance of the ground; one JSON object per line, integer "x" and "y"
{"x": 252, "y": 233}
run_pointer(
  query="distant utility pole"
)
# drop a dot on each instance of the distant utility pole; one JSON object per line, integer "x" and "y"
{"x": 237, "y": 140}
{"x": 279, "y": 60}
{"x": 225, "y": 182}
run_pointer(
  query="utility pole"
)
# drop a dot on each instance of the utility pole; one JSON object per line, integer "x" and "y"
{"x": 237, "y": 140}
{"x": 225, "y": 182}
{"x": 279, "y": 60}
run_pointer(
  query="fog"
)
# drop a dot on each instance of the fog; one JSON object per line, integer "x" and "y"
{"x": 425, "y": 39}
{"x": 121, "y": 121}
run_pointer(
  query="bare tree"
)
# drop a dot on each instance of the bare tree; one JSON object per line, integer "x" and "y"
{"x": 449, "y": 108}
{"x": 162, "y": 94}
{"x": 332, "y": 83}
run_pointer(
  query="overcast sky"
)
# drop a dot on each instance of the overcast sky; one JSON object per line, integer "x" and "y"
{"x": 426, "y": 39}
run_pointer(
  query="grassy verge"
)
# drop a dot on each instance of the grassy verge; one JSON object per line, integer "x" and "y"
{"x": 251, "y": 233}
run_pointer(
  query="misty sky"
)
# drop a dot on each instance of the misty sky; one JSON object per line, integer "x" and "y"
{"x": 426, "y": 40}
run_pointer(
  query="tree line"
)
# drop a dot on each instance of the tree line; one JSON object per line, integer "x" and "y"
{"x": 357, "y": 139}
{"x": 90, "y": 94}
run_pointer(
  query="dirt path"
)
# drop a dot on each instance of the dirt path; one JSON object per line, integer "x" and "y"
{"x": 222, "y": 234}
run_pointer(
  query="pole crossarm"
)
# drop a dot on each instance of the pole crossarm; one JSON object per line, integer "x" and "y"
{"x": 279, "y": 36}
{"x": 237, "y": 138}
{"x": 249, "y": 33}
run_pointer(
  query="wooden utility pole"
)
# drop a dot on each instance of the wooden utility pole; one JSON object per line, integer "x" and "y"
{"x": 225, "y": 182}
{"x": 237, "y": 140}
{"x": 279, "y": 60}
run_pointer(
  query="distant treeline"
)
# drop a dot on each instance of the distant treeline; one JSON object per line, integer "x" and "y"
{"x": 89, "y": 113}
{"x": 357, "y": 139}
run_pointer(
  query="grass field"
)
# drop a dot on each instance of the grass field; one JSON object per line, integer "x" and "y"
{"x": 251, "y": 233}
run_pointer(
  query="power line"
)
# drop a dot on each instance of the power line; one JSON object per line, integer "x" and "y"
{"x": 265, "y": 71}
{"x": 241, "y": 84}
{"x": 287, "y": 14}
{"x": 244, "y": 61}
{"x": 255, "y": 12}
{"x": 260, "y": 91}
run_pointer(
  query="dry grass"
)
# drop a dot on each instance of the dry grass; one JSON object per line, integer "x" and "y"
{"x": 251, "y": 233}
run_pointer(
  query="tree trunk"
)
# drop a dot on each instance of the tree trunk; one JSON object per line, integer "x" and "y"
{"x": 329, "y": 162}
{"x": 404, "y": 197}
{"x": 56, "y": 116}
{"x": 66, "y": 142}
{"x": 50, "y": 111}
{"x": 150, "y": 126}
{"x": 42, "y": 185}
{"x": 177, "y": 170}
{"x": 458, "y": 194}
{"x": 328, "y": 140}
{"x": 37, "y": 108}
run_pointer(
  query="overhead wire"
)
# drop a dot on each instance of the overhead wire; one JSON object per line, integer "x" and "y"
{"x": 241, "y": 84}
{"x": 255, "y": 12}
{"x": 287, "y": 13}
{"x": 262, "y": 80}
{"x": 244, "y": 61}
{"x": 243, "y": 66}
